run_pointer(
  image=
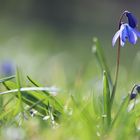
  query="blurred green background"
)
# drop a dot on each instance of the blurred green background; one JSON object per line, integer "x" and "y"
{"x": 51, "y": 40}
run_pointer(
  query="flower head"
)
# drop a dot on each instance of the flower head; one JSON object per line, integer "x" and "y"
{"x": 7, "y": 68}
{"x": 126, "y": 32}
{"x": 132, "y": 21}
{"x": 138, "y": 88}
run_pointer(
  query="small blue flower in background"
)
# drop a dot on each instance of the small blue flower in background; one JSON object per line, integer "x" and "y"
{"x": 126, "y": 32}
{"x": 132, "y": 21}
{"x": 7, "y": 68}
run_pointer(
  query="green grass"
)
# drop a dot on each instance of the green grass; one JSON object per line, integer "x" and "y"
{"x": 81, "y": 109}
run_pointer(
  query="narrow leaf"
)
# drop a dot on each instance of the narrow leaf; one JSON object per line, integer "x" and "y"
{"x": 98, "y": 51}
{"x": 106, "y": 99}
{"x": 46, "y": 91}
{"x": 122, "y": 110}
{"x": 19, "y": 92}
{"x": 7, "y": 79}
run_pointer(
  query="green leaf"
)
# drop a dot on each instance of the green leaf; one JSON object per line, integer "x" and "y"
{"x": 121, "y": 112}
{"x": 33, "y": 96}
{"x": 46, "y": 93}
{"x": 98, "y": 51}
{"x": 19, "y": 92}
{"x": 33, "y": 82}
{"x": 7, "y": 79}
{"x": 106, "y": 99}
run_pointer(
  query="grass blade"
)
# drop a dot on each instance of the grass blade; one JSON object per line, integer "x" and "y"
{"x": 3, "y": 80}
{"x": 7, "y": 79}
{"x": 106, "y": 99}
{"x": 46, "y": 92}
{"x": 121, "y": 112}
{"x": 33, "y": 82}
{"x": 98, "y": 51}
{"x": 33, "y": 96}
{"x": 19, "y": 94}
{"x": 43, "y": 89}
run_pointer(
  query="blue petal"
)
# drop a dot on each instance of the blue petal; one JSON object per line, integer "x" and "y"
{"x": 116, "y": 36}
{"x": 136, "y": 32}
{"x": 131, "y": 19}
{"x": 124, "y": 33}
{"x": 132, "y": 37}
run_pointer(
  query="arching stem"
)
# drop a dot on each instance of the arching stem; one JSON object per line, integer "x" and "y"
{"x": 117, "y": 63}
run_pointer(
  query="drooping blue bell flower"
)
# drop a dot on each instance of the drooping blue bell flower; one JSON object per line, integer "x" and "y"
{"x": 126, "y": 32}
{"x": 132, "y": 21}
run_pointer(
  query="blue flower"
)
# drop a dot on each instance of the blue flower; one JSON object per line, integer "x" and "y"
{"x": 132, "y": 21}
{"x": 7, "y": 68}
{"x": 133, "y": 96}
{"x": 126, "y": 32}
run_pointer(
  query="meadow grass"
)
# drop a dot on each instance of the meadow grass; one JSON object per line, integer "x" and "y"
{"x": 29, "y": 110}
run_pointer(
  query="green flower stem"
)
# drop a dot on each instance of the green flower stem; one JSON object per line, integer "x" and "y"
{"x": 116, "y": 73}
